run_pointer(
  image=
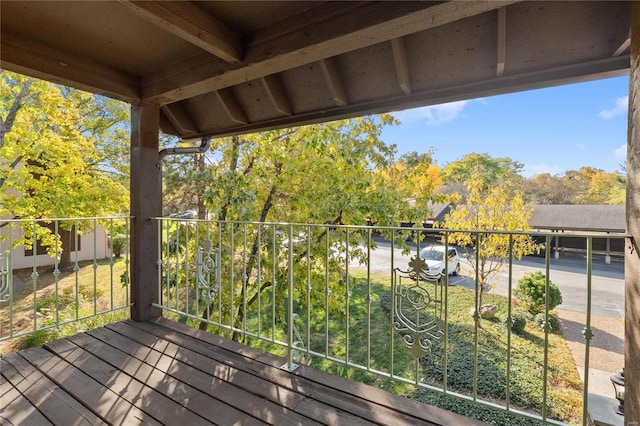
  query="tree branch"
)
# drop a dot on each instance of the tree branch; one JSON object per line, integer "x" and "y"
{"x": 7, "y": 123}
{"x": 12, "y": 166}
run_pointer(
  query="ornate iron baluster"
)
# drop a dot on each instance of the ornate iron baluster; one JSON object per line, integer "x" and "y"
{"x": 207, "y": 260}
{"x": 418, "y": 329}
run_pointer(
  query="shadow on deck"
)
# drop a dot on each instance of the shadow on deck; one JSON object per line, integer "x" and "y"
{"x": 163, "y": 372}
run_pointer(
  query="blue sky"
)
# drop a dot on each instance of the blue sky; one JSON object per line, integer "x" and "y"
{"x": 549, "y": 130}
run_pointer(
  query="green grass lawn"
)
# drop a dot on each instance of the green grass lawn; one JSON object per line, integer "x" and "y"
{"x": 88, "y": 294}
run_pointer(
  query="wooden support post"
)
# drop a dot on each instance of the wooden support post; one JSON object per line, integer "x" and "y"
{"x": 632, "y": 255}
{"x": 146, "y": 203}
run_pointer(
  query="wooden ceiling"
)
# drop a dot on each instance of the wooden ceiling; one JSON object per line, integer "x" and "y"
{"x": 230, "y": 67}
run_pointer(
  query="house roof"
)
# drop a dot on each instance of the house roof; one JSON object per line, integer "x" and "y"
{"x": 440, "y": 210}
{"x": 232, "y": 67}
{"x": 563, "y": 217}
{"x": 579, "y": 217}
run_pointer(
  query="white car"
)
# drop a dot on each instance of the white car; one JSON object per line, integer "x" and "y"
{"x": 434, "y": 258}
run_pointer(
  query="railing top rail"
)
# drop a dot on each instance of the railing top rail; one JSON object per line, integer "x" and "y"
{"x": 580, "y": 234}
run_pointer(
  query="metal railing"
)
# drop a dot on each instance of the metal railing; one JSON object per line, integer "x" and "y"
{"x": 55, "y": 272}
{"x": 362, "y": 302}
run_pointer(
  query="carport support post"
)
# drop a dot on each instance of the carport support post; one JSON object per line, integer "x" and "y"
{"x": 632, "y": 256}
{"x": 146, "y": 203}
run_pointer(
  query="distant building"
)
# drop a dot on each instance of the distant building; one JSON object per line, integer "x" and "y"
{"x": 578, "y": 217}
{"x": 567, "y": 218}
{"x": 90, "y": 244}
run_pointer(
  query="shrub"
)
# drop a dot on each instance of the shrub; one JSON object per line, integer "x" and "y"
{"x": 554, "y": 324}
{"x": 531, "y": 290}
{"x": 119, "y": 244}
{"x": 385, "y": 302}
{"x": 518, "y": 321}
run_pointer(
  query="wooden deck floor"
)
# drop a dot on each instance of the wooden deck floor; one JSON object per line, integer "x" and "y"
{"x": 166, "y": 373}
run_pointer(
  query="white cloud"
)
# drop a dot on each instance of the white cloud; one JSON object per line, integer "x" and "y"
{"x": 621, "y": 151}
{"x": 620, "y": 108}
{"x": 581, "y": 146}
{"x": 433, "y": 115}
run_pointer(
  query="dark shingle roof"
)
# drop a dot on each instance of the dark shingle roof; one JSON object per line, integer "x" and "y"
{"x": 579, "y": 217}
{"x": 440, "y": 210}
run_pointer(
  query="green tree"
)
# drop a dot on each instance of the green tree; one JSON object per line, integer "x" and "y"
{"x": 618, "y": 191}
{"x": 335, "y": 173}
{"x": 418, "y": 177}
{"x": 483, "y": 168}
{"x": 603, "y": 188}
{"x": 50, "y": 165}
{"x": 491, "y": 209}
{"x": 584, "y": 186}
{"x": 183, "y": 176}
{"x": 545, "y": 188}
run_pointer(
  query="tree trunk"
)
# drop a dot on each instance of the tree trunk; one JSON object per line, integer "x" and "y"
{"x": 67, "y": 241}
{"x": 202, "y": 209}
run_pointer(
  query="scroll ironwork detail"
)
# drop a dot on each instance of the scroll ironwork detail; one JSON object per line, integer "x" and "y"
{"x": 207, "y": 261}
{"x": 411, "y": 299}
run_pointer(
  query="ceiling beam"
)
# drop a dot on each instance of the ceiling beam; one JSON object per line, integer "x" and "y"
{"x": 502, "y": 41}
{"x": 189, "y": 22}
{"x": 334, "y": 82}
{"x": 232, "y": 106}
{"x": 357, "y": 28}
{"x": 276, "y": 93}
{"x": 602, "y": 68}
{"x": 180, "y": 119}
{"x": 400, "y": 62}
{"x": 624, "y": 45}
{"x": 38, "y": 60}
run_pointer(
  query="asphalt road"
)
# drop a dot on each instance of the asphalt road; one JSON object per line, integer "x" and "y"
{"x": 568, "y": 273}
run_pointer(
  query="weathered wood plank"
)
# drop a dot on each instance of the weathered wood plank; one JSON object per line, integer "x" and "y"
{"x": 181, "y": 392}
{"x": 230, "y": 345}
{"x": 261, "y": 397}
{"x": 57, "y": 405}
{"x": 338, "y": 402}
{"x": 349, "y": 388}
{"x": 162, "y": 372}
{"x": 135, "y": 392}
{"x": 15, "y": 409}
{"x": 104, "y": 401}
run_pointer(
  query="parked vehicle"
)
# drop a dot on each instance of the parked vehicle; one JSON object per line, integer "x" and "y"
{"x": 434, "y": 257}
